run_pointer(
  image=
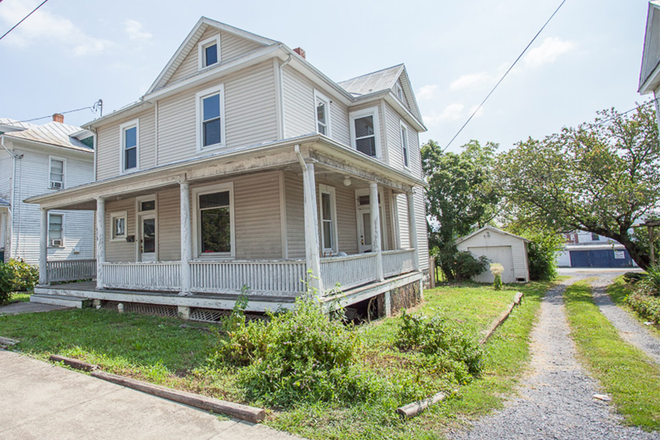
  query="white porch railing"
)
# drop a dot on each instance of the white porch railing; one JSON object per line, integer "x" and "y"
{"x": 349, "y": 272}
{"x": 264, "y": 277}
{"x": 70, "y": 270}
{"x": 164, "y": 275}
{"x": 398, "y": 262}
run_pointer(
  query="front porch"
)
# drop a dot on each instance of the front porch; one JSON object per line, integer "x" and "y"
{"x": 198, "y": 237}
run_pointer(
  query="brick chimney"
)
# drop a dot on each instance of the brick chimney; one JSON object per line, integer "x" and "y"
{"x": 300, "y": 51}
{"x": 58, "y": 117}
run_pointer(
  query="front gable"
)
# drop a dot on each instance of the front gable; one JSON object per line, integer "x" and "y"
{"x": 233, "y": 43}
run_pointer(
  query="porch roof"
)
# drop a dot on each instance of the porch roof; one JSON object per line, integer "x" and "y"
{"x": 316, "y": 148}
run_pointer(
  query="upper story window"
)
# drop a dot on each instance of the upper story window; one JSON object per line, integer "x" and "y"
{"x": 404, "y": 145}
{"x": 210, "y": 118}
{"x": 322, "y": 104}
{"x": 56, "y": 175}
{"x": 130, "y": 135}
{"x": 365, "y": 131}
{"x": 209, "y": 52}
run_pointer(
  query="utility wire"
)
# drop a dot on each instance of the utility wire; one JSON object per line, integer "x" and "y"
{"x": 505, "y": 74}
{"x": 651, "y": 101}
{"x": 24, "y": 18}
{"x": 93, "y": 108}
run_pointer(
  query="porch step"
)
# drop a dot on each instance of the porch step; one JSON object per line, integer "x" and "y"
{"x": 61, "y": 300}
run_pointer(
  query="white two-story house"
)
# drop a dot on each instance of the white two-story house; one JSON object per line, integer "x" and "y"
{"x": 37, "y": 159}
{"x": 244, "y": 165}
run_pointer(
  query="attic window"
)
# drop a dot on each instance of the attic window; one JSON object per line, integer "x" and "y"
{"x": 399, "y": 91}
{"x": 209, "y": 52}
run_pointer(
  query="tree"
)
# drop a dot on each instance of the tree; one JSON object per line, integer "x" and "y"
{"x": 601, "y": 177}
{"x": 460, "y": 196}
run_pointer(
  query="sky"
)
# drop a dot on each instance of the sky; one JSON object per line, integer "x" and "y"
{"x": 69, "y": 54}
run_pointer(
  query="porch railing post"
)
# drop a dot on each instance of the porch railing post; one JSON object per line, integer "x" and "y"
{"x": 412, "y": 228}
{"x": 43, "y": 249}
{"x": 312, "y": 229}
{"x": 100, "y": 241}
{"x": 186, "y": 238}
{"x": 375, "y": 229}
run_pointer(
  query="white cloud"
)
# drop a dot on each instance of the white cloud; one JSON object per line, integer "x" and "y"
{"x": 548, "y": 52}
{"x": 472, "y": 80}
{"x": 452, "y": 112}
{"x": 426, "y": 92}
{"x": 45, "y": 26}
{"x": 135, "y": 31}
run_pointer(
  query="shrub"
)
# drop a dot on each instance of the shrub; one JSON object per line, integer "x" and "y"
{"x": 651, "y": 282}
{"x": 645, "y": 305}
{"x": 466, "y": 266}
{"x": 633, "y": 277}
{"x": 437, "y": 337}
{"x": 6, "y": 283}
{"x": 496, "y": 269}
{"x": 25, "y": 276}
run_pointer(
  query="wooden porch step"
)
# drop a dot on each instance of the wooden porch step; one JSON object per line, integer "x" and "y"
{"x": 61, "y": 300}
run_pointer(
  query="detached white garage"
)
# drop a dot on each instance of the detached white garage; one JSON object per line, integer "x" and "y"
{"x": 499, "y": 247}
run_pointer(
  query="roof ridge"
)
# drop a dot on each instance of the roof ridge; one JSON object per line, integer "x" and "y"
{"x": 371, "y": 73}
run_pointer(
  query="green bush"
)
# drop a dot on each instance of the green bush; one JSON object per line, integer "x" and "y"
{"x": 645, "y": 305}
{"x": 437, "y": 337}
{"x": 466, "y": 266}
{"x": 633, "y": 277}
{"x": 6, "y": 283}
{"x": 651, "y": 282}
{"x": 25, "y": 276}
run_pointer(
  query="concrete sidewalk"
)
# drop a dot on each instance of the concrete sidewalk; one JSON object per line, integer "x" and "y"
{"x": 39, "y": 400}
{"x": 20, "y": 307}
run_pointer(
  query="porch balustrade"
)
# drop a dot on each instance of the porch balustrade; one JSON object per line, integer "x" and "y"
{"x": 398, "y": 262}
{"x": 350, "y": 271}
{"x": 164, "y": 276}
{"x": 70, "y": 270}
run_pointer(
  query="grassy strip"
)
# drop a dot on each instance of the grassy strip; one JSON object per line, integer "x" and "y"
{"x": 625, "y": 372}
{"x": 20, "y": 296}
{"x": 619, "y": 291}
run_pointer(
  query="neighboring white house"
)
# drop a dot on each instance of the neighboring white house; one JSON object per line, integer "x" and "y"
{"x": 499, "y": 247}
{"x": 588, "y": 249}
{"x": 35, "y": 159}
{"x": 244, "y": 165}
{"x": 649, "y": 76}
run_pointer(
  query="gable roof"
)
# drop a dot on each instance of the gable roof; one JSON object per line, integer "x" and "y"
{"x": 53, "y": 133}
{"x": 491, "y": 229}
{"x": 7, "y": 124}
{"x": 648, "y": 75}
{"x": 190, "y": 42}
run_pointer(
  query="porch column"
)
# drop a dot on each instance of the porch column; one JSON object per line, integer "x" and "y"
{"x": 312, "y": 248}
{"x": 186, "y": 238}
{"x": 100, "y": 241}
{"x": 43, "y": 248}
{"x": 412, "y": 229}
{"x": 375, "y": 229}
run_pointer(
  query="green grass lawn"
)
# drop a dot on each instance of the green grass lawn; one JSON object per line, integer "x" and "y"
{"x": 20, "y": 296}
{"x": 625, "y": 372}
{"x": 173, "y": 353}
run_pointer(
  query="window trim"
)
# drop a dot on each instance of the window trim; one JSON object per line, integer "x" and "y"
{"x": 330, "y": 190}
{"x": 199, "y": 115}
{"x": 113, "y": 217}
{"x": 63, "y": 215}
{"x": 398, "y": 92}
{"x": 122, "y": 142}
{"x": 405, "y": 139}
{"x": 371, "y": 111}
{"x": 197, "y": 218}
{"x": 318, "y": 96}
{"x": 201, "y": 55}
{"x": 50, "y": 167}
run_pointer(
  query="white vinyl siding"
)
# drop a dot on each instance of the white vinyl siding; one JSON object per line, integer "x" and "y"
{"x": 393, "y": 121}
{"x": 120, "y": 250}
{"x": 57, "y": 174}
{"x": 295, "y": 216}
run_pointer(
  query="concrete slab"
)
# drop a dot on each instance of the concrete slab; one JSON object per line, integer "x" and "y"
{"x": 40, "y": 400}
{"x": 28, "y": 307}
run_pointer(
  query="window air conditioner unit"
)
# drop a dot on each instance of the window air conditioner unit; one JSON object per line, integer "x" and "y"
{"x": 56, "y": 242}
{"x": 55, "y": 185}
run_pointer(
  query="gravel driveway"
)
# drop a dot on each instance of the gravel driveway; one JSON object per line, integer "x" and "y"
{"x": 556, "y": 399}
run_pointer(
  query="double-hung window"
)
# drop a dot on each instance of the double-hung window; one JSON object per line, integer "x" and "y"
{"x": 56, "y": 173}
{"x": 55, "y": 230}
{"x": 365, "y": 131}
{"x": 209, "y": 52}
{"x": 328, "y": 213}
{"x": 210, "y": 116}
{"x": 215, "y": 222}
{"x": 130, "y": 140}
{"x": 322, "y": 105}
{"x": 404, "y": 144}
{"x": 118, "y": 224}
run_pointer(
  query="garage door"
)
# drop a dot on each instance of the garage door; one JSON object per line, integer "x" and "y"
{"x": 496, "y": 254}
{"x": 601, "y": 258}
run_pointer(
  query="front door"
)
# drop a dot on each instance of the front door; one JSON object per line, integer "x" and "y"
{"x": 364, "y": 229}
{"x": 364, "y": 221}
{"x": 147, "y": 237}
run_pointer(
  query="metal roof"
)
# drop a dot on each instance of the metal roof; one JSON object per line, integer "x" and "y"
{"x": 53, "y": 133}
{"x": 14, "y": 124}
{"x": 372, "y": 82}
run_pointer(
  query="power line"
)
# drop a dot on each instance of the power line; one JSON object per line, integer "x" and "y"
{"x": 24, "y": 18}
{"x": 98, "y": 105}
{"x": 505, "y": 74}
{"x": 651, "y": 101}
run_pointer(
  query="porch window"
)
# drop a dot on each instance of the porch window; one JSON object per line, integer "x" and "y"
{"x": 56, "y": 173}
{"x": 118, "y": 224}
{"x": 210, "y": 113}
{"x": 365, "y": 131}
{"x": 322, "y": 113}
{"x": 215, "y": 220}
{"x": 404, "y": 144}
{"x": 328, "y": 219}
{"x": 55, "y": 230}
{"x": 209, "y": 52}
{"x": 129, "y": 145}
